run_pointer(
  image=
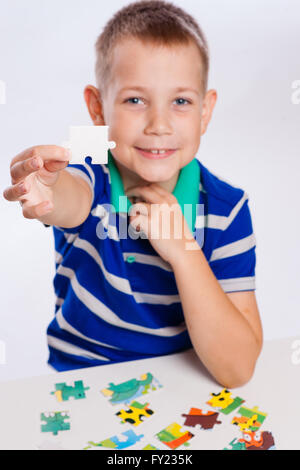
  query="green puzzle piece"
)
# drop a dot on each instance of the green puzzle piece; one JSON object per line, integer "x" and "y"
{"x": 165, "y": 436}
{"x": 124, "y": 391}
{"x": 55, "y": 422}
{"x": 66, "y": 391}
{"x": 236, "y": 445}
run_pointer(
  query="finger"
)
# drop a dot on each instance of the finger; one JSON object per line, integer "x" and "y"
{"x": 55, "y": 165}
{"x": 37, "y": 211}
{"x": 139, "y": 208}
{"x": 45, "y": 152}
{"x": 13, "y": 193}
{"x": 148, "y": 193}
{"x": 140, "y": 223}
{"x": 23, "y": 168}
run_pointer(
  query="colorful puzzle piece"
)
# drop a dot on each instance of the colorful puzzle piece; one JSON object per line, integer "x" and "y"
{"x": 63, "y": 391}
{"x": 257, "y": 440}
{"x": 135, "y": 413}
{"x": 172, "y": 437}
{"x": 205, "y": 420}
{"x": 246, "y": 423}
{"x": 224, "y": 402}
{"x": 108, "y": 443}
{"x": 55, "y": 421}
{"x": 126, "y": 391}
{"x": 89, "y": 141}
{"x": 129, "y": 438}
{"x": 250, "y": 419}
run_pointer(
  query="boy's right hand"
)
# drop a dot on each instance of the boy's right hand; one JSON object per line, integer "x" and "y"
{"x": 33, "y": 175}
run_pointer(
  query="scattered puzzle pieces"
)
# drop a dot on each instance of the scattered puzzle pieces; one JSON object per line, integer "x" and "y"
{"x": 172, "y": 437}
{"x": 135, "y": 413}
{"x": 126, "y": 391}
{"x": 128, "y": 438}
{"x": 63, "y": 391}
{"x": 205, "y": 420}
{"x": 250, "y": 419}
{"x": 55, "y": 421}
{"x": 89, "y": 141}
{"x": 224, "y": 402}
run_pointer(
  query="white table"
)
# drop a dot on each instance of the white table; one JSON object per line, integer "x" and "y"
{"x": 274, "y": 388}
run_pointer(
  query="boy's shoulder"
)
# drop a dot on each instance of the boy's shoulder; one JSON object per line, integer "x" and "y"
{"x": 221, "y": 194}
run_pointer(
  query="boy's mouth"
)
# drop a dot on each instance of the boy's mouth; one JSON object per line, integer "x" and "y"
{"x": 155, "y": 153}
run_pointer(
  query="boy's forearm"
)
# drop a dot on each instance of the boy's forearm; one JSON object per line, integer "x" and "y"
{"x": 221, "y": 336}
{"x": 70, "y": 200}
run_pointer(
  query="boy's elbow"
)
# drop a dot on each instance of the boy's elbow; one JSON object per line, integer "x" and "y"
{"x": 236, "y": 382}
{"x": 242, "y": 371}
{"x": 236, "y": 379}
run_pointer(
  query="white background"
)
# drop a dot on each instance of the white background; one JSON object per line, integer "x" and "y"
{"x": 46, "y": 59}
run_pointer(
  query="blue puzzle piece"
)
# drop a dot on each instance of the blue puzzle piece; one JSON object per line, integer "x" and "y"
{"x": 132, "y": 438}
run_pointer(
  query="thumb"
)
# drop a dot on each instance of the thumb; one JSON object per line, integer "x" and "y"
{"x": 55, "y": 165}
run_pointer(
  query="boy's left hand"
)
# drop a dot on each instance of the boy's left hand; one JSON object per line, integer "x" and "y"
{"x": 161, "y": 219}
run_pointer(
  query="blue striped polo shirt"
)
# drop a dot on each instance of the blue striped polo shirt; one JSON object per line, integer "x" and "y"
{"x": 116, "y": 298}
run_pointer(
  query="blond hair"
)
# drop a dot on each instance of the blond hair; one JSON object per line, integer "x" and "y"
{"x": 151, "y": 21}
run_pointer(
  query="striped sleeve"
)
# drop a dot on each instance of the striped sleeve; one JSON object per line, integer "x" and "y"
{"x": 233, "y": 260}
{"x": 92, "y": 175}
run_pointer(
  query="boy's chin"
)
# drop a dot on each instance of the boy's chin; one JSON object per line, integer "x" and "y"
{"x": 156, "y": 177}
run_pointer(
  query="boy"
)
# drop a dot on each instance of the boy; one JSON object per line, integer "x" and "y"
{"x": 145, "y": 295}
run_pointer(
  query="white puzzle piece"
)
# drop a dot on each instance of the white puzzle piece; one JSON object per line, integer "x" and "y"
{"x": 89, "y": 141}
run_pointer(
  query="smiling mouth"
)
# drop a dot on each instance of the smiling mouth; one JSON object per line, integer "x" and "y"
{"x": 156, "y": 153}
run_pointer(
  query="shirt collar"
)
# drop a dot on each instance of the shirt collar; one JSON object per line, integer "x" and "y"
{"x": 186, "y": 189}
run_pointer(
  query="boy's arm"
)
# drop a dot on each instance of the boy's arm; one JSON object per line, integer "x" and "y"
{"x": 72, "y": 199}
{"x": 225, "y": 329}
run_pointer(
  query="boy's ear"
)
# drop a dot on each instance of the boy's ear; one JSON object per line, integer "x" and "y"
{"x": 208, "y": 105}
{"x": 94, "y": 104}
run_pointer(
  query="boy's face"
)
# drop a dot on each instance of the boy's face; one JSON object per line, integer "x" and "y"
{"x": 157, "y": 117}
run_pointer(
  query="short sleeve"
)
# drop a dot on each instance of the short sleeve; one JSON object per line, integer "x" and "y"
{"x": 233, "y": 259}
{"x": 93, "y": 175}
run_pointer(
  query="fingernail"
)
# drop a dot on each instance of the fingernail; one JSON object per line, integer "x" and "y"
{"x": 35, "y": 163}
{"x": 68, "y": 153}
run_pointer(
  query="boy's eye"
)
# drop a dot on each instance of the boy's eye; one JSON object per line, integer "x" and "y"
{"x": 183, "y": 99}
{"x": 136, "y": 98}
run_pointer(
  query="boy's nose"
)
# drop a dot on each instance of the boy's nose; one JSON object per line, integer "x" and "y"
{"x": 158, "y": 123}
